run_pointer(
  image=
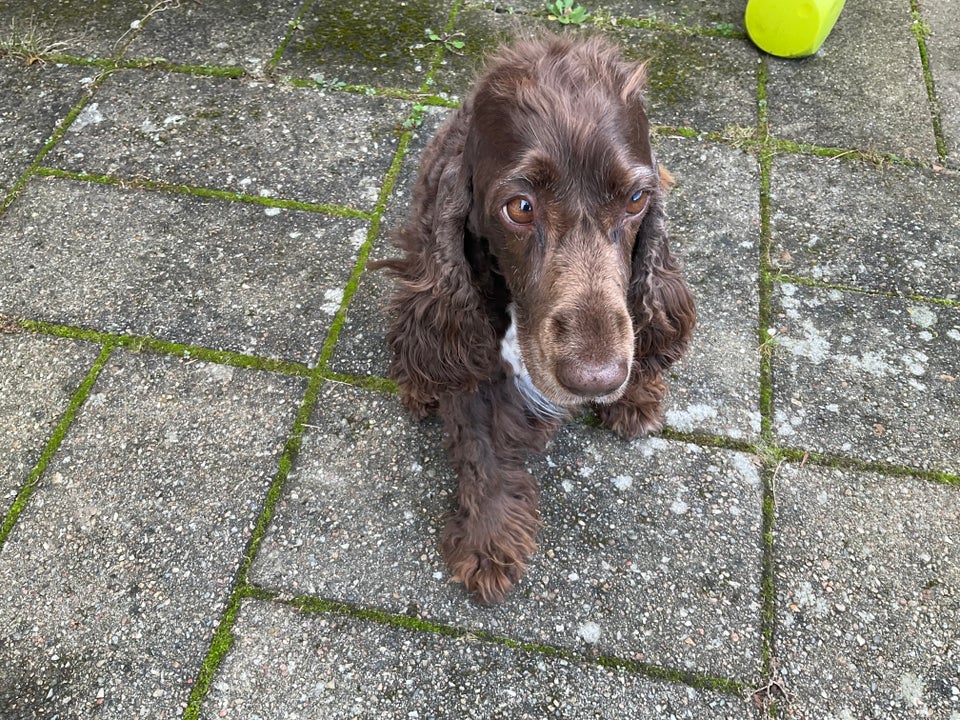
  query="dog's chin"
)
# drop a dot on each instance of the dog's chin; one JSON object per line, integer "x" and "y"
{"x": 553, "y": 390}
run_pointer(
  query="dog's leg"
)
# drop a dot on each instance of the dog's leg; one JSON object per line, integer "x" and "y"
{"x": 639, "y": 411}
{"x": 489, "y": 537}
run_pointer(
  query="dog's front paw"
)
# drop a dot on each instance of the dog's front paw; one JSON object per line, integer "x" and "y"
{"x": 638, "y": 412}
{"x": 488, "y": 552}
{"x": 631, "y": 420}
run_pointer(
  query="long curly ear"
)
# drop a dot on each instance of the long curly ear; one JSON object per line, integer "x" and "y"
{"x": 662, "y": 305}
{"x": 440, "y": 334}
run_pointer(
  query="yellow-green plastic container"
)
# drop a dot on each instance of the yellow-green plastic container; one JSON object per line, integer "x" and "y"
{"x": 791, "y": 28}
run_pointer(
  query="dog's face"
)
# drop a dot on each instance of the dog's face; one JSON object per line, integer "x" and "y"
{"x": 562, "y": 180}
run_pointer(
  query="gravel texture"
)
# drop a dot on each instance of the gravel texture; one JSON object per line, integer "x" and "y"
{"x": 75, "y": 27}
{"x": 290, "y": 665}
{"x": 32, "y": 103}
{"x": 843, "y": 97}
{"x": 868, "y": 573}
{"x": 865, "y": 377}
{"x": 195, "y": 33}
{"x": 256, "y": 138}
{"x": 232, "y": 276}
{"x": 652, "y": 543}
{"x": 38, "y": 376}
{"x": 786, "y": 549}
{"x": 365, "y": 42}
{"x": 107, "y": 603}
{"x": 888, "y": 229}
{"x": 943, "y": 45}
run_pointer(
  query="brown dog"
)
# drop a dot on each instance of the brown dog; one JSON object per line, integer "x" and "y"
{"x": 535, "y": 278}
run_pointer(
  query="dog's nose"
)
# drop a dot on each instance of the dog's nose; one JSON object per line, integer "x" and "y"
{"x": 592, "y": 379}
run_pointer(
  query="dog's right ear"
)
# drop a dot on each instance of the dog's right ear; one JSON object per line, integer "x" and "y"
{"x": 440, "y": 334}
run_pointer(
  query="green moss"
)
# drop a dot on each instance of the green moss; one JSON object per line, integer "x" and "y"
{"x": 921, "y": 31}
{"x": 199, "y": 70}
{"x": 312, "y": 605}
{"x": 810, "y": 282}
{"x": 379, "y": 36}
{"x": 352, "y": 284}
{"x": 53, "y": 444}
{"x": 718, "y": 28}
{"x": 54, "y": 139}
{"x": 137, "y": 343}
{"x": 223, "y": 637}
{"x": 679, "y": 64}
{"x": 333, "y": 210}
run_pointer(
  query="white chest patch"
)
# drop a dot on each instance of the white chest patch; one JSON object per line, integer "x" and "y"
{"x": 537, "y": 403}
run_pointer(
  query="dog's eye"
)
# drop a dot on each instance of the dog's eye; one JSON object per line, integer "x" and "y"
{"x": 519, "y": 210}
{"x": 637, "y": 202}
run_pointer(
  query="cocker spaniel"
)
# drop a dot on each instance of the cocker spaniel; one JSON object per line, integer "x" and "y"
{"x": 535, "y": 278}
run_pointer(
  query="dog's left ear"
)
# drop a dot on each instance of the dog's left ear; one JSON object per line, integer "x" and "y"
{"x": 661, "y": 303}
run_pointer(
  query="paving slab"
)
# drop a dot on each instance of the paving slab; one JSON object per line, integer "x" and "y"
{"x": 38, "y": 376}
{"x": 943, "y": 50}
{"x": 231, "y": 276}
{"x": 227, "y": 34}
{"x": 482, "y": 28}
{"x": 843, "y": 95}
{"x": 868, "y": 585}
{"x": 650, "y": 550}
{"x": 707, "y": 83}
{"x": 703, "y": 82}
{"x": 690, "y": 13}
{"x": 74, "y": 27}
{"x": 285, "y": 664}
{"x": 33, "y": 101}
{"x": 362, "y": 344}
{"x": 714, "y": 230}
{"x": 114, "y": 578}
{"x": 255, "y": 137}
{"x": 366, "y": 42}
{"x": 867, "y": 377}
{"x": 891, "y": 229}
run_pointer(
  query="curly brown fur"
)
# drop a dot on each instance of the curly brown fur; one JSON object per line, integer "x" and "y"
{"x": 535, "y": 277}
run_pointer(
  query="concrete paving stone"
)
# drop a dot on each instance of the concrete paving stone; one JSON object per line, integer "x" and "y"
{"x": 235, "y": 34}
{"x": 38, "y": 376}
{"x": 115, "y": 576}
{"x": 943, "y": 49}
{"x": 226, "y": 275}
{"x": 713, "y": 219}
{"x": 252, "y": 137}
{"x": 893, "y": 229}
{"x": 868, "y": 579}
{"x": 680, "y": 12}
{"x": 714, "y": 225}
{"x": 483, "y": 29}
{"x": 73, "y": 27}
{"x": 362, "y": 345}
{"x": 366, "y": 42}
{"x": 33, "y": 100}
{"x": 650, "y": 550}
{"x": 285, "y": 664}
{"x": 844, "y": 97}
{"x": 708, "y": 14}
{"x": 701, "y": 82}
{"x": 868, "y": 377}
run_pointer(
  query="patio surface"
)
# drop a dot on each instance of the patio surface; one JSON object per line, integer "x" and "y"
{"x": 213, "y": 505}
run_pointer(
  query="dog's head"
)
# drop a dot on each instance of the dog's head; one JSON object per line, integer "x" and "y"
{"x": 563, "y": 182}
